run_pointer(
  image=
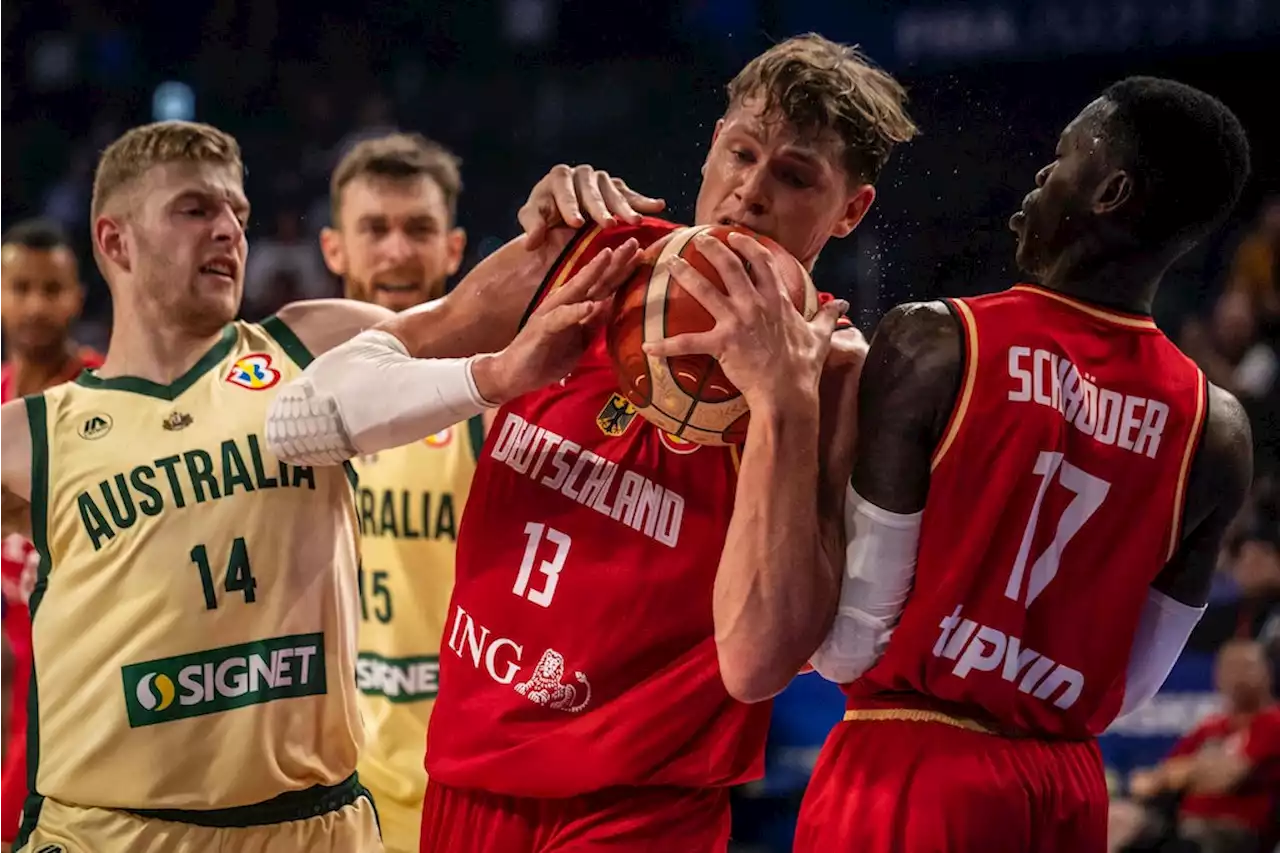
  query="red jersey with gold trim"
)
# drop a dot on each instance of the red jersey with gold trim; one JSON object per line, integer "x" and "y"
{"x": 1055, "y": 500}
{"x": 579, "y": 652}
{"x": 18, "y": 565}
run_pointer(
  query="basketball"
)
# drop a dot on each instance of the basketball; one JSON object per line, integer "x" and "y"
{"x": 687, "y": 396}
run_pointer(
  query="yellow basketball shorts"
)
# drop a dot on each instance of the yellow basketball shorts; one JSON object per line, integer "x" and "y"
{"x": 347, "y": 827}
{"x": 401, "y": 824}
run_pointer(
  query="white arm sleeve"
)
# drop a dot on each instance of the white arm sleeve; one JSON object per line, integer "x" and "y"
{"x": 1163, "y": 630}
{"x": 879, "y": 567}
{"x": 368, "y": 395}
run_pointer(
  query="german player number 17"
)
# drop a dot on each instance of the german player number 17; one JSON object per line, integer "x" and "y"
{"x": 550, "y": 568}
{"x": 1090, "y": 492}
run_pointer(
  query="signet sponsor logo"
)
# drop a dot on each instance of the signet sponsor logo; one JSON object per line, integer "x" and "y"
{"x": 217, "y": 680}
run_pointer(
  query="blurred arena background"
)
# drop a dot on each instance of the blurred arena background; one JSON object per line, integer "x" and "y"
{"x": 515, "y": 86}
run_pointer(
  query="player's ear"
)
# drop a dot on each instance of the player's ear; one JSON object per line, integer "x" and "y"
{"x": 335, "y": 254}
{"x": 857, "y": 203}
{"x": 1113, "y": 192}
{"x": 455, "y": 245}
{"x": 109, "y": 239}
{"x": 715, "y": 134}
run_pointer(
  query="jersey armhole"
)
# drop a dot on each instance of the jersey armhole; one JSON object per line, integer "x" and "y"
{"x": 964, "y": 393}
{"x": 1195, "y": 438}
{"x": 38, "y": 423}
{"x": 561, "y": 269}
{"x": 475, "y": 434}
{"x": 292, "y": 345}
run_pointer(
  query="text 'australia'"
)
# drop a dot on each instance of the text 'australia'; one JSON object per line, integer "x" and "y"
{"x": 192, "y": 477}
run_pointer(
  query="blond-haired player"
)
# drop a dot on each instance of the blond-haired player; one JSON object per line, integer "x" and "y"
{"x": 395, "y": 242}
{"x": 194, "y": 618}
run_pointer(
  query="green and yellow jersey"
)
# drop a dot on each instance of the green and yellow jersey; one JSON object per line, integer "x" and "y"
{"x": 195, "y": 615}
{"x": 409, "y": 503}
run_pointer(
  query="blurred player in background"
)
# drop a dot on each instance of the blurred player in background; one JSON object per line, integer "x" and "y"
{"x": 590, "y": 684}
{"x": 395, "y": 242}
{"x": 1042, "y": 484}
{"x": 40, "y": 299}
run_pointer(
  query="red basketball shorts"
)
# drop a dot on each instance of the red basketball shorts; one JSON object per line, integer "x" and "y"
{"x": 619, "y": 820}
{"x": 930, "y": 785}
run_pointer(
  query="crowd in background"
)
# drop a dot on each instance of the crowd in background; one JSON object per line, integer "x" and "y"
{"x": 516, "y": 86}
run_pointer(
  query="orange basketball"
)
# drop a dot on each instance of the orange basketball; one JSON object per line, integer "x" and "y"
{"x": 688, "y": 396}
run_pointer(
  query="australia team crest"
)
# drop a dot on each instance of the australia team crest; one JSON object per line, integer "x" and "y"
{"x": 254, "y": 371}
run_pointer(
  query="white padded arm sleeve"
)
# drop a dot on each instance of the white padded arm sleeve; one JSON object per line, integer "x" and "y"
{"x": 1163, "y": 630}
{"x": 879, "y": 567}
{"x": 368, "y": 395}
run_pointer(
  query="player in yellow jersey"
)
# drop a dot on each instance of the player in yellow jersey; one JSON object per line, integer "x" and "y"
{"x": 395, "y": 242}
{"x": 195, "y": 613}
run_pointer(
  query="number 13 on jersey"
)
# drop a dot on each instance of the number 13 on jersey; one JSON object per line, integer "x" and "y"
{"x": 550, "y": 568}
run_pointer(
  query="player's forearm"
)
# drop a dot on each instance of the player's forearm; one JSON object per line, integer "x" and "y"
{"x": 369, "y": 395}
{"x": 775, "y": 589}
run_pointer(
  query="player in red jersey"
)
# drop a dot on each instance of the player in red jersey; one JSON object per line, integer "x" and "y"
{"x": 42, "y": 296}
{"x": 589, "y": 686}
{"x": 1041, "y": 487}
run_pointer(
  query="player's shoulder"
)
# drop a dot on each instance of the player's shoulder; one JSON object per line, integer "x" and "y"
{"x": 921, "y": 330}
{"x": 1227, "y": 438}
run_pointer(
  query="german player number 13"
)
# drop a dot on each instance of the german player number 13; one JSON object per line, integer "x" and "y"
{"x": 538, "y": 533}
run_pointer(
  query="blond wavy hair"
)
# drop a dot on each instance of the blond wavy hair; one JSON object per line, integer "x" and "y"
{"x": 138, "y": 150}
{"x": 818, "y": 85}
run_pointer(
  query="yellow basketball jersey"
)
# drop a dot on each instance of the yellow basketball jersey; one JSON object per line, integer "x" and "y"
{"x": 194, "y": 619}
{"x": 410, "y": 502}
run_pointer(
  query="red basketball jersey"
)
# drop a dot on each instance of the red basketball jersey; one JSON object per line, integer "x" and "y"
{"x": 579, "y": 652}
{"x": 1056, "y": 498}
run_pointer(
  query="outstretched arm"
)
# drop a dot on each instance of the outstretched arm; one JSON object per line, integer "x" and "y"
{"x": 908, "y": 388}
{"x": 1221, "y": 474}
{"x": 15, "y": 461}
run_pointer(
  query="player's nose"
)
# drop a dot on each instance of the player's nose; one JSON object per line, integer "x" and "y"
{"x": 753, "y": 190}
{"x": 227, "y": 228}
{"x": 397, "y": 247}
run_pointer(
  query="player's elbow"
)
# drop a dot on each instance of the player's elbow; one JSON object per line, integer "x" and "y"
{"x": 752, "y": 675}
{"x": 303, "y": 428}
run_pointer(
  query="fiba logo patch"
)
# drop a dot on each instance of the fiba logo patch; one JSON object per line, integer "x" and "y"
{"x": 155, "y": 692}
{"x": 254, "y": 371}
{"x": 95, "y": 426}
{"x": 440, "y": 439}
{"x": 676, "y": 444}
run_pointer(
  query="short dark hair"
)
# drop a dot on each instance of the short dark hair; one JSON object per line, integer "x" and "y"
{"x": 399, "y": 156}
{"x": 41, "y": 234}
{"x": 1187, "y": 152}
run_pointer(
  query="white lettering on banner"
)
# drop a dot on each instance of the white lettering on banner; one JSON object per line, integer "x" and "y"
{"x": 589, "y": 479}
{"x": 979, "y": 648}
{"x": 1132, "y": 423}
{"x": 500, "y": 658}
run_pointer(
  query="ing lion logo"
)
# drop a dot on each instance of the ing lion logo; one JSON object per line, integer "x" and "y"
{"x": 547, "y": 687}
{"x": 253, "y": 371}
